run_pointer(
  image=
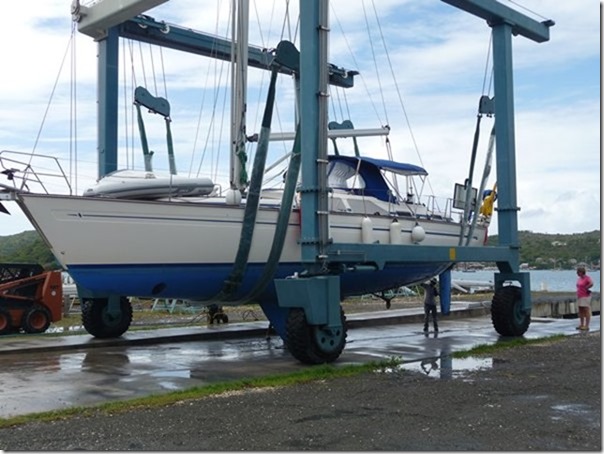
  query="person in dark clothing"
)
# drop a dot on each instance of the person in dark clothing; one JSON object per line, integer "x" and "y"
{"x": 430, "y": 294}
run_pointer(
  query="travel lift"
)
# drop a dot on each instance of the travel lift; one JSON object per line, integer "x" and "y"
{"x": 319, "y": 293}
{"x": 315, "y": 294}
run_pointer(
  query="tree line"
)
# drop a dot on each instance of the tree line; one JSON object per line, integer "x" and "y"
{"x": 26, "y": 247}
{"x": 557, "y": 251}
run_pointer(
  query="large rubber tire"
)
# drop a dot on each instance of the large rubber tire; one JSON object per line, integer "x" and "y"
{"x": 6, "y": 322}
{"x": 507, "y": 315}
{"x": 36, "y": 320}
{"x": 313, "y": 344}
{"x": 98, "y": 322}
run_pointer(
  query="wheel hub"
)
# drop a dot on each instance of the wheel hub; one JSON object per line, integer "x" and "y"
{"x": 328, "y": 338}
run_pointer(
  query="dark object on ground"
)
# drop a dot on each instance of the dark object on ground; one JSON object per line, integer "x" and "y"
{"x": 216, "y": 314}
{"x": 544, "y": 397}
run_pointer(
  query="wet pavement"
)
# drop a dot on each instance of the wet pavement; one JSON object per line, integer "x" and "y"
{"x": 42, "y": 373}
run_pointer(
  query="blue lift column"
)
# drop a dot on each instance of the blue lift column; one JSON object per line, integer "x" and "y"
{"x": 318, "y": 293}
{"x": 506, "y": 22}
{"x": 108, "y": 102}
{"x": 444, "y": 289}
{"x": 507, "y": 208}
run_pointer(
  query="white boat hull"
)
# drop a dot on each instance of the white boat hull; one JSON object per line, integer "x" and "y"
{"x": 187, "y": 250}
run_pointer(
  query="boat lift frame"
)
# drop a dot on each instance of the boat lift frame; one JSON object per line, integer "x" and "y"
{"x": 318, "y": 252}
{"x": 318, "y": 293}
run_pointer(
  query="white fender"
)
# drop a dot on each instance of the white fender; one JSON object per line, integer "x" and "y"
{"x": 418, "y": 234}
{"x": 367, "y": 230}
{"x": 232, "y": 197}
{"x": 395, "y": 232}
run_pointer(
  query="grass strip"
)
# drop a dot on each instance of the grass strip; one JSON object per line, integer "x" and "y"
{"x": 505, "y": 343}
{"x": 306, "y": 375}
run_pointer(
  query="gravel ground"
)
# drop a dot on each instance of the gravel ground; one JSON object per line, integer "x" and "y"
{"x": 544, "y": 396}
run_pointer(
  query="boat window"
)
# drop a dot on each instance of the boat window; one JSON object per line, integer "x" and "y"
{"x": 366, "y": 206}
{"x": 338, "y": 204}
{"x": 341, "y": 175}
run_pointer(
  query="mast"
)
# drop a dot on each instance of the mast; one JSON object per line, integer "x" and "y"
{"x": 239, "y": 60}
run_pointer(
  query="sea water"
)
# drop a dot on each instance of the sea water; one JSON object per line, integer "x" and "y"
{"x": 541, "y": 280}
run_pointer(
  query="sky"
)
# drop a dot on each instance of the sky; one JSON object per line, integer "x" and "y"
{"x": 424, "y": 65}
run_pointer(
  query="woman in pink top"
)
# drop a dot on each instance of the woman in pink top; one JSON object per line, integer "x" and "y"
{"x": 584, "y": 283}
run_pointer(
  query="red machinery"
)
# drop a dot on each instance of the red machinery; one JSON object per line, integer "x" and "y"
{"x": 30, "y": 298}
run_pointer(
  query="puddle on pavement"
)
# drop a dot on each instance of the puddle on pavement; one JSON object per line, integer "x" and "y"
{"x": 65, "y": 329}
{"x": 589, "y": 416}
{"x": 172, "y": 379}
{"x": 184, "y": 373}
{"x": 445, "y": 366}
{"x": 571, "y": 408}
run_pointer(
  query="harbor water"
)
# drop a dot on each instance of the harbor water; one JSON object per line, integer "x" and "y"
{"x": 541, "y": 280}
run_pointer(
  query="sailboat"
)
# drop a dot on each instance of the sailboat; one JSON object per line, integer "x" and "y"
{"x": 226, "y": 249}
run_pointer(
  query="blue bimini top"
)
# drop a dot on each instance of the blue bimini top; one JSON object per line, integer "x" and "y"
{"x": 341, "y": 168}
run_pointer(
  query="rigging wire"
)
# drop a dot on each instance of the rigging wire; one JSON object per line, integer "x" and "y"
{"x": 398, "y": 91}
{"x": 296, "y": 30}
{"x": 163, "y": 71}
{"x": 210, "y": 130}
{"x": 132, "y": 110}
{"x": 286, "y": 26}
{"x": 335, "y": 97}
{"x": 52, "y": 92}
{"x": 73, "y": 125}
{"x": 377, "y": 72}
{"x": 199, "y": 117}
{"x": 355, "y": 62}
{"x": 217, "y": 142}
{"x": 126, "y": 110}
{"x": 486, "y": 67}
{"x": 153, "y": 68}
{"x": 400, "y": 98}
{"x": 140, "y": 52}
{"x": 263, "y": 74}
{"x": 218, "y": 69}
{"x": 220, "y": 131}
{"x": 527, "y": 9}
{"x": 201, "y": 108}
{"x": 286, "y": 22}
{"x": 346, "y": 105}
{"x": 468, "y": 182}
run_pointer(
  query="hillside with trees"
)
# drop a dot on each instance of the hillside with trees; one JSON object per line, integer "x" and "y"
{"x": 537, "y": 250}
{"x": 557, "y": 251}
{"x": 26, "y": 247}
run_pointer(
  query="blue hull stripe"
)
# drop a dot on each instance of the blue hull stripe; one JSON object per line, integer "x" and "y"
{"x": 203, "y": 281}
